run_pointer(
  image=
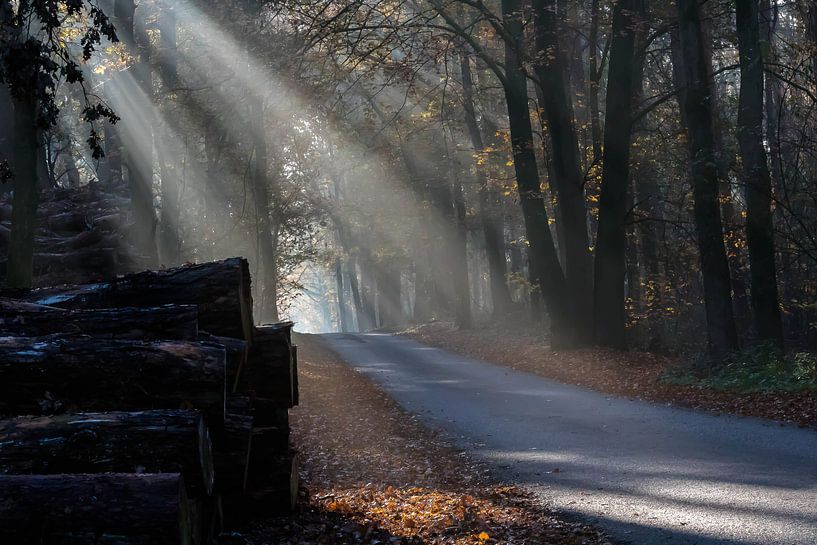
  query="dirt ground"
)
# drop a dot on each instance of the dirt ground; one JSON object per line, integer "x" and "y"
{"x": 624, "y": 373}
{"x": 371, "y": 474}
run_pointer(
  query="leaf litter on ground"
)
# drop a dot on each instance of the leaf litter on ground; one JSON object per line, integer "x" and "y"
{"x": 373, "y": 474}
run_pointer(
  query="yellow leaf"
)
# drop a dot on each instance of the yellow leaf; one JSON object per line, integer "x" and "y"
{"x": 483, "y": 536}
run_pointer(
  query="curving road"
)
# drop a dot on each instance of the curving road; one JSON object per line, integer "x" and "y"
{"x": 647, "y": 474}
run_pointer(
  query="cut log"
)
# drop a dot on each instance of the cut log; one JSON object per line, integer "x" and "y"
{"x": 35, "y": 507}
{"x": 46, "y": 375}
{"x": 268, "y": 378}
{"x": 66, "y": 222}
{"x": 119, "y": 442}
{"x": 220, "y": 289}
{"x": 237, "y": 352}
{"x": 296, "y": 392}
{"x": 18, "y": 318}
{"x": 232, "y": 444}
{"x": 91, "y": 259}
{"x": 274, "y": 484}
{"x": 232, "y": 451}
{"x": 270, "y": 440}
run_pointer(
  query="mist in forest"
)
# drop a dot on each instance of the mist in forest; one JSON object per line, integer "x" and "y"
{"x": 561, "y": 165}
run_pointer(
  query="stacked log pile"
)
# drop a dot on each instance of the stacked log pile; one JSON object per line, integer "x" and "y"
{"x": 81, "y": 236}
{"x": 146, "y": 409}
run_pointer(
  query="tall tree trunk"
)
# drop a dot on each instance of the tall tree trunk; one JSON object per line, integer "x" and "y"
{"x": 389, "y": 302}
{"x": 170, "y": 188}
{"x": 730, "y": 218}
{"x": 611, "y": 241}
{"x": 6, "y": 140}
{"x": 343, "y": 311}
{"x": 569, "y": 181}
{"x": 593, "y": 81}
{"x": 488, "y": 200}
{"x": 137, "y": 137}
{"x": 354, "y": 287}
{"x": 462, "y": 284}
{"x": 367, "y": 296}
{"x": 546, "y": 273}
{"x": 756, "y": 177}
{"x": 722, "y": 335}
{"x": 269, "y": 297}
{"x": 773, "y": 92}
{"x": 19, "y": 271}
{"x": 111, "y": 166}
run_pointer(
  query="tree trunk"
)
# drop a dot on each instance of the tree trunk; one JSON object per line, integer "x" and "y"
{"x": 569, "y": 181}
{"x": 343, "y": 310}
{"x": 756, "y": 178}
{"x": 38, "y": 507}
{"x": 46, "y": 375}
{"x": 546, "y": 273}
{"x": 593, "y": 81}
{"x": 722, "y": 335}
{"x": 6, "y": 137}
{"x": 20, "y": 269}
{"x": 488, "y": 200}
{"x": 137, "y": 133}
{"x": 18, "y": 318}
{"x": 611, "y": 241}
{"x": 389, "y": 301}
{"x": 269, "y": 309}
{"x": 221, "y": 289}
{"x": 462, "y": 288}
{"x": 354, "y": 287}
{"x": 120, "y": 442}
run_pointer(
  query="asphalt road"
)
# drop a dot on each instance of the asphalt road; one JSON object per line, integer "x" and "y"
{"x": 648, "y": 474}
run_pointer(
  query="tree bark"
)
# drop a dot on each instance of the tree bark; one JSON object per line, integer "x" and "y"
{"x": 6, "y": 137}
{"x": 593, "y": 81}
{"x": 18, "y": 318}
{"x": 462, "y": 285}
{"x": 120, "y": 442}
{"x": 551, "y": 70}
{"x": 269, "y": 309}
{"x": 20, "y": 268}
{"x": 220, "y": 289}
{"x": 488, "y": 200}
{"x": 37, "y": 507}
{"x": 611, "y": 241}
{"x": 46, "y": 375}
{"x": 546, "y": 273}
{"x": 137, "y": 133}
{"x": 756, "y": 178}
{"x": 722, "y": 334}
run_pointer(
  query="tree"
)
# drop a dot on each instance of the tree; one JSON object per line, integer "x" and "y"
{"x": 491, "y": 221}
{"x": 610, "y": 319}
{"x": 569, "y": 179}
{"x": 756, "y": 177}
{"x": 33, "y": 59}
{"x": 722, "y": 335}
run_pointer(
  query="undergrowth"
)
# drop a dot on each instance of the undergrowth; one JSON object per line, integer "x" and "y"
{"x": 759, "y": 369}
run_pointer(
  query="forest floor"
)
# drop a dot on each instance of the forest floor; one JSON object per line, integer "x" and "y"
{"x": 372, "y": 474}
{"x": 632, "y": 374}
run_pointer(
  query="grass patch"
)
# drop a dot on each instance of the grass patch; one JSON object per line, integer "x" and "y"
{"x": 759, "y": 369}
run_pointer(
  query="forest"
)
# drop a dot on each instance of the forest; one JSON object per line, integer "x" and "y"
{"x": 623, "y": 174}
{"x": 617, "y": 194}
